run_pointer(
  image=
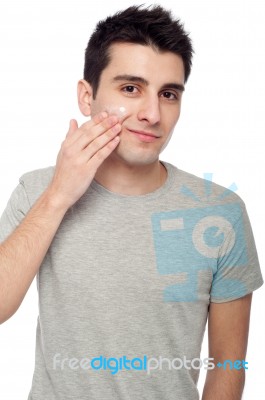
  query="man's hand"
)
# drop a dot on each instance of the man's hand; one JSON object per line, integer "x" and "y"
{"x": 82, "y": 152}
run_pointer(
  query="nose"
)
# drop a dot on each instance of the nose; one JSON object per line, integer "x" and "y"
{"x": 150, "y": 110}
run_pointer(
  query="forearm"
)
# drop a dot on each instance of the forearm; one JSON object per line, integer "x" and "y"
{"x": 22, "y": 253}
{"x": 224, "y": 384}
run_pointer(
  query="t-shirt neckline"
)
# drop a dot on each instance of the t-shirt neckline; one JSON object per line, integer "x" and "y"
{"x": 142, "y": 197}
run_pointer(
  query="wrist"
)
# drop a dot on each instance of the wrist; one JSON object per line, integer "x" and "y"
{"x": 54, "y": 202}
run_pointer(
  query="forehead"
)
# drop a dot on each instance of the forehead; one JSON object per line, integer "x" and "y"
{"x": 144, "y": 61}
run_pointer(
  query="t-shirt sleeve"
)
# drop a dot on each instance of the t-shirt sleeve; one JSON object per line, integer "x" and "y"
{"x": 16, "y": 209}
{"x": 238, "y": 270}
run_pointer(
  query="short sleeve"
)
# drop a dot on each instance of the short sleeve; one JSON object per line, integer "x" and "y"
{"x": 238, "y": 270}
{"x": 16, "y": 209}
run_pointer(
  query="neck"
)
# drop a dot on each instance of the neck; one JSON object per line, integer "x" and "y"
{"x": 131, "y": 180}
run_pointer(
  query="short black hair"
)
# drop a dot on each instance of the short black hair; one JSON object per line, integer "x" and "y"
{"x": 152, "y": 26}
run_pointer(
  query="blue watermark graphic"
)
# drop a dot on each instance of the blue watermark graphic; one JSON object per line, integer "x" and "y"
{"x": 229, "y": 364}
{"x": 201, "y": 238}
{"x": 115, "y": 365}
{"x": 208, "y": 186}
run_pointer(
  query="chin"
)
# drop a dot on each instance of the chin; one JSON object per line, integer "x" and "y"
{"x": 135, "y": 159}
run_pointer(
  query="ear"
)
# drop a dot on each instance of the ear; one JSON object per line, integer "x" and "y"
{"x": 84, "y": 95}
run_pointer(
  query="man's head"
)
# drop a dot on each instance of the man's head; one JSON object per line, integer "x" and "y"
{"x": 138, "y": 61}
{"x": 146, "y": 26}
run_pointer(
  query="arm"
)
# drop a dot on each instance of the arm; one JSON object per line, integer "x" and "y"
{"x": 228, "y": 327}
{"x": 22, "y": 253}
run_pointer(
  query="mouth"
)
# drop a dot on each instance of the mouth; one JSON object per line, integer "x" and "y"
{"x": 144, "y": 136}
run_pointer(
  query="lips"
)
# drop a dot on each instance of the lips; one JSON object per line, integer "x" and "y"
{"x": 144, "y": 136}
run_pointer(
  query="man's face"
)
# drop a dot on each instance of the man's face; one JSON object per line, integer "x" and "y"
{"x": 148, "y": 84}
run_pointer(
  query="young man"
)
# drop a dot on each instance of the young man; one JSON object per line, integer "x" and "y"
{"x": 132, "y": 255}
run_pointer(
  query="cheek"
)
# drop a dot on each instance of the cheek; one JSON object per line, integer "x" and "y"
{"x": 120, "y": 111}
{"x": 167, "y": 140}
{"x": 170, "y": 114}
{"x": 95, "y": 108}
{"x": 170, "y": 121}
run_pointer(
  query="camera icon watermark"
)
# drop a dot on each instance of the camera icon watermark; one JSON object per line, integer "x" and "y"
{"x": 191, "y": 241}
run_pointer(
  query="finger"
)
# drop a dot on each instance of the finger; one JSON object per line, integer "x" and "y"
{"x": 97, "y": 130}
{"x": 84, "y": 137}
{"x": 95, "y": 120}
{"x": 98, "y": 158}
{"x": 101, "y": 141}
{"x": 99, "y": 117}
{"x": 74, "y": 134}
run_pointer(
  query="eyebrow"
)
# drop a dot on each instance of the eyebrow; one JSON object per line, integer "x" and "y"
{"x": 139, "y": 79}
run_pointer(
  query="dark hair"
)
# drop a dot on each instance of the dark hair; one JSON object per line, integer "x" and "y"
{"x": 153, "y": 26}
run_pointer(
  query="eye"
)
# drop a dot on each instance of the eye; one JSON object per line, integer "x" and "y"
{"x": 130, "y": 89}
{"x": 170, "y": 95}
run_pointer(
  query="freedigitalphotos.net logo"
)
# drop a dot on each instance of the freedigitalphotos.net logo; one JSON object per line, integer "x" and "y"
{"x": 115, "y": 365}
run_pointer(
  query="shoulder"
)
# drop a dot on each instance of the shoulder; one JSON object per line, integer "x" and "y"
{"x": 36, "y": 181}
{"x": 202, "y": 191}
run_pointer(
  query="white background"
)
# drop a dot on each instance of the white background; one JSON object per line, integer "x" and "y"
{"x": 221, "y": 129}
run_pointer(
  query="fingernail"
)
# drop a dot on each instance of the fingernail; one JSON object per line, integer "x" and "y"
{"x": 116, "y": 128}
{"x": 113, "y": 119}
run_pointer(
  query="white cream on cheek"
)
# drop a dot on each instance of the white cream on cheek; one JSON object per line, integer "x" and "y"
{"x": 121, "y": 111}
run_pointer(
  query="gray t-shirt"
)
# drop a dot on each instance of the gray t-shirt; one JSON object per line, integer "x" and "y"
{"x": 125, "y": 286}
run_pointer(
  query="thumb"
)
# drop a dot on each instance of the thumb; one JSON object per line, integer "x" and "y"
{"x": 73, "y": 126}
